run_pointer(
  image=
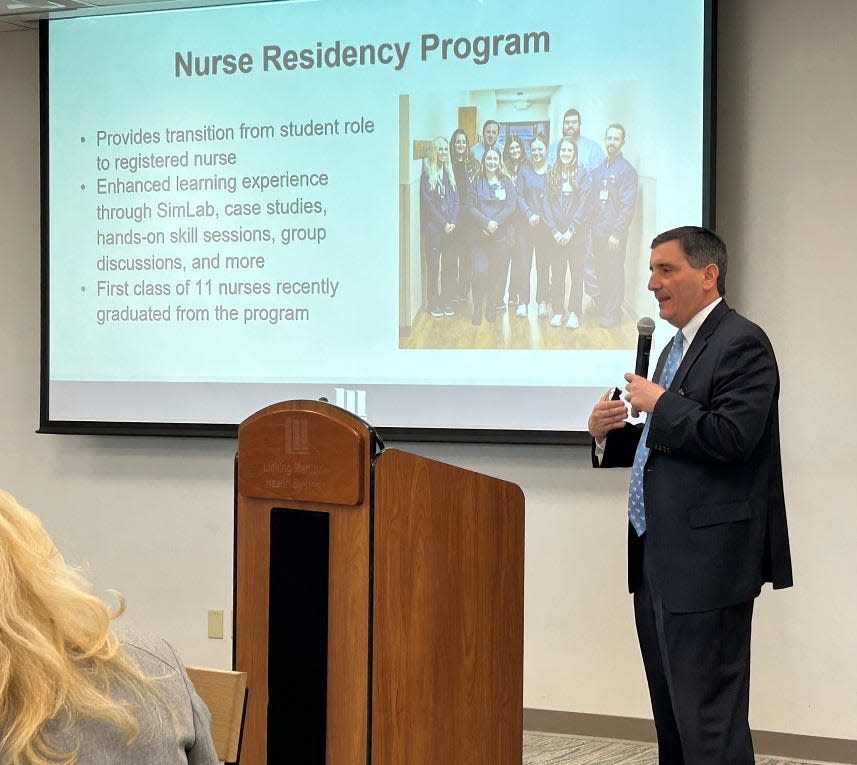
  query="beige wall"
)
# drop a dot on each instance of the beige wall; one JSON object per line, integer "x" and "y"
{"x": 153, "y": 517}
{"x": 786, "y": 204}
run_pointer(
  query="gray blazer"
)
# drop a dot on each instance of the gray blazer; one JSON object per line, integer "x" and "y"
{"x": 183, "y": 738}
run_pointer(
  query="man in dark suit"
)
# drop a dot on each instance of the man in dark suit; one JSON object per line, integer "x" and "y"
{"x": 706, "y": 507}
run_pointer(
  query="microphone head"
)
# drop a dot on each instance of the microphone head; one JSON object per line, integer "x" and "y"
{"x": 646, "y": 326}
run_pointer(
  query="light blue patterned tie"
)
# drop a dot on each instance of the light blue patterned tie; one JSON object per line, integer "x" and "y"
{"x": 636, "y": 509}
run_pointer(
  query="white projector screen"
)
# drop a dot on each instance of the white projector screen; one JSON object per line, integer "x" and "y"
{"x": 232, "y": 213}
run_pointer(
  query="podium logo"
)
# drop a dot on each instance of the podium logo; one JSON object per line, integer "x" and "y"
{"x": 352, "y": 400}
{"x": 297, "y": 435}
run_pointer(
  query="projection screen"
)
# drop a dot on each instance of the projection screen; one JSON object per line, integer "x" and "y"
{"x": 235, "y": 211}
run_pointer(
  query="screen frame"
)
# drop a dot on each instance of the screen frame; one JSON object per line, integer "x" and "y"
{"x": 47, "y": 425}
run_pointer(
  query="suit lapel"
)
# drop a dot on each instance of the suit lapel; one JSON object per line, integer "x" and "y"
{"x": 700, "y": 342}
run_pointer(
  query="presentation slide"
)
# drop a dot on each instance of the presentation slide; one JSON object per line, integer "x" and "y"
{"x": 434, "y": 214}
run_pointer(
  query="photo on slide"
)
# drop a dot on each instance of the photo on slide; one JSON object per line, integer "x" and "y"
{"x": 523, "y": 247}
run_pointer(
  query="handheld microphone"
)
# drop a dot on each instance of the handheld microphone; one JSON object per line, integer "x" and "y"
{"x": 645, "y": 328}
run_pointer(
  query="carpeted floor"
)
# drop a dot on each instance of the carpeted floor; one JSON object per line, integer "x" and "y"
{"x": 553, "y": 749}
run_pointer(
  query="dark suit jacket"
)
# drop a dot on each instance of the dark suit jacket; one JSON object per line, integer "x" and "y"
{"x": 713, "y": 484}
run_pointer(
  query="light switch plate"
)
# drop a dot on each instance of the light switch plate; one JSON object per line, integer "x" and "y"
{"x": 215, "y": 624}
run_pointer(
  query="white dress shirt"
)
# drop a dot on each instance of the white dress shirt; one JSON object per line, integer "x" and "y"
{"x": 688, "y": 332}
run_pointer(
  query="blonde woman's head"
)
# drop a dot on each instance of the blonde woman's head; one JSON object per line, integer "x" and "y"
{"x": 57, "y": 650}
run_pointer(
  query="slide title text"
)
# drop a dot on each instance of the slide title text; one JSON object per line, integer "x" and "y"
{"x": 275, "y": 58}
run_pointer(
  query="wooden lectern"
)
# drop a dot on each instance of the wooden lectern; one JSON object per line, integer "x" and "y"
{"x": 379, "y": 599}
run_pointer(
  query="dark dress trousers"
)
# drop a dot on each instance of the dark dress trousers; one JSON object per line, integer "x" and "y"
{"x": 715, "y": 532}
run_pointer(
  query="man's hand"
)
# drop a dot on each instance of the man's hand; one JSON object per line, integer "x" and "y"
{"x": 606, "y": 415}
{"x": 641, "y": 394}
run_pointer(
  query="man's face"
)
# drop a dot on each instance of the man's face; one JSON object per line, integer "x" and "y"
{"x": 571, "y": 126}
{"x": 613, "y": 142}
{"x": 490, "y": 133}
{"x": 681, "y": 290}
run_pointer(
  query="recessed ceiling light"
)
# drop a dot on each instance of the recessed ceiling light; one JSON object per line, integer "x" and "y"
{"x": 40, "y": 5}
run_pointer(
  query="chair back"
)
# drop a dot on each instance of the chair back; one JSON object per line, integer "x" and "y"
{"x": 224, "y": 693}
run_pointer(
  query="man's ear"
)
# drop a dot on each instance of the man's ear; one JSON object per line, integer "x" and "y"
{"x": 710, "y": 274}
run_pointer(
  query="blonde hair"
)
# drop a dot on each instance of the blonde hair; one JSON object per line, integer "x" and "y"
{"x": 432, "y": 166}
{"x": 58, "y": 653}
